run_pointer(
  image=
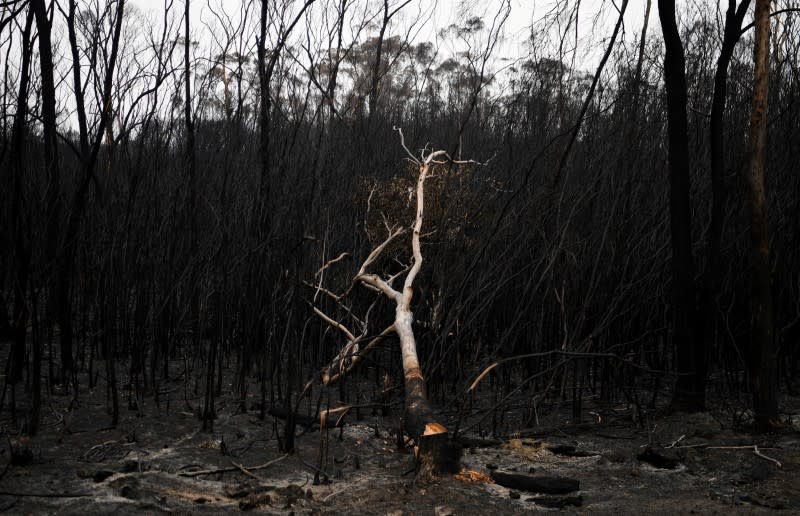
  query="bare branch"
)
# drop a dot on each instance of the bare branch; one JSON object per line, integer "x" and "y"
{"x": 435, "y": 154}
{"x": 335, "y": 324}
{"x": 379, "y": 285}
{"x": 773, "y": 13}
{"x": 403, "y": 143}
{"x": 329, "y": 379}
{"x": 320, "y": 288}
{"x": 378, "y": 250}
{"x": 408, "y": 291}
{"x": 339, "y": 258}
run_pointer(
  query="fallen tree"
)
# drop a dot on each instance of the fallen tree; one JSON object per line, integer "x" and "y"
{"x": 536, "y": 484}
{"x": 433, "y": 447}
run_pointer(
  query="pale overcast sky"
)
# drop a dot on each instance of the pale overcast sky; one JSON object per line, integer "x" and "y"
{"x": 597, "y": 18}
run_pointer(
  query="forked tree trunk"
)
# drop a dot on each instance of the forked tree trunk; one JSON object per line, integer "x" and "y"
{"x": 710, "y": 280}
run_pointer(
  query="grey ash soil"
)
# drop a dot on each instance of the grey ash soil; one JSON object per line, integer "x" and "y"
{"x": 148, "y": 465}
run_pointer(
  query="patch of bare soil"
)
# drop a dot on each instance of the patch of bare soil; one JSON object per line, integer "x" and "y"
{"x": 157, "y": 460}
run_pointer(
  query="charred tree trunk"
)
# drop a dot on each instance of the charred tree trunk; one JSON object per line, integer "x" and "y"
{"x": 763, "y": 370}
{"x": 89, "y": 156}
{"x": 690, "y": 354}
{"x": 22, "y": 247}
{"x": 264, "y": 78}
{"x": 189, "y": 125}
{"x": 36, "y": 368}
{"x": 704, "y": 327}
{"x": 52, "y": 194}
{"x": 374, "y": 92}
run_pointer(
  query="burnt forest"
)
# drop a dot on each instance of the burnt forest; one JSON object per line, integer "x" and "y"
{"x": 401, "y": 257}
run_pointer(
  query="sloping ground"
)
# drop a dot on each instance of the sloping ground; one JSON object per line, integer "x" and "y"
{"x": 158, "y": 461}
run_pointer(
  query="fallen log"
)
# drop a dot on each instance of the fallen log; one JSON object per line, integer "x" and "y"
{"x": 311, "y": 422}
{"x": 556, "y": 502}
{"x": 660, "y": 457}
{"x": 567, "y": 450}
{"x": 538, "y": 484}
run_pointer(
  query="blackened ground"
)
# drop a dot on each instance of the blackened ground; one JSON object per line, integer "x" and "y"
{"x": 150, "y": 464}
